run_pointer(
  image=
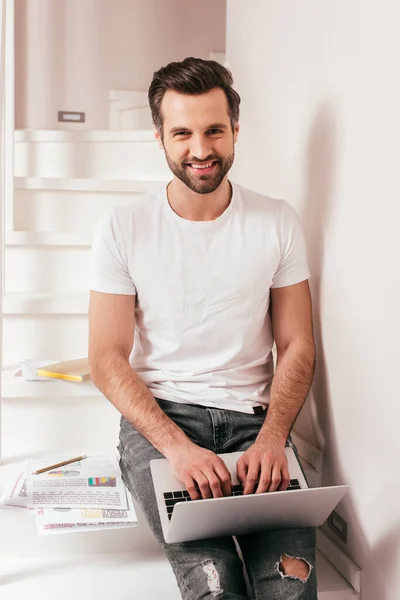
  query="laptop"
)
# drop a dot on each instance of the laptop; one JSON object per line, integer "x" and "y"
{"x": 184, "y": 520}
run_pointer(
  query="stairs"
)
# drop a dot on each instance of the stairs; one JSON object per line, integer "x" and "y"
{"x": 64, "y": 182}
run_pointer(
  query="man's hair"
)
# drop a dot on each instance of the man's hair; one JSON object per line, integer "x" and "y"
{"x": 192, "y": 76}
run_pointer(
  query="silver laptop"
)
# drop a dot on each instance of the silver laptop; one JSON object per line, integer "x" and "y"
{"x": 183, "y": 519}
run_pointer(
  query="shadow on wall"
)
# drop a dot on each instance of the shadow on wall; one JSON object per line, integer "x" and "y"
{"x": 378, "y": 562}
{"x": 317, "y": 203}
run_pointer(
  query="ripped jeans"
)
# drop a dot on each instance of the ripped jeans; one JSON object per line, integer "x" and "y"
{"x": 212, "y": 568}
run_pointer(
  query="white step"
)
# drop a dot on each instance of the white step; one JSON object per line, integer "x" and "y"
{"x": 86, "y": 154}
{"x": 67, "y": 204}
{"x": 42, "y": 269}
{"x": 46, "y": 303}
{"x": 87, "y": 136}
{"x": 87, "y": 185}
{"x": 123, "y": 563}
{"x": 48, "y": 239}
{"x": 53, "y": 424}
{"x": 16, "y": 387}
{"x": 120, "y": 576}
{"x": 37, "y": 336}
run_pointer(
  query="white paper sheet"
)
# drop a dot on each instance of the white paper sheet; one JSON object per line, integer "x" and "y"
{"x": 61, "y": 520}
{"x": 16, "y": 493}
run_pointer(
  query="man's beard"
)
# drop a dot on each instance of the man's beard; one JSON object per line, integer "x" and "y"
{"x": 202, "y": 184}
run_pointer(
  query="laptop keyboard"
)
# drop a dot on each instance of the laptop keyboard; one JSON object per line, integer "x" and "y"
{"x": 172, "y": 498}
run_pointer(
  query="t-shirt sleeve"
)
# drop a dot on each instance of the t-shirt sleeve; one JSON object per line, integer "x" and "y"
{"x": 293, "y": 266}
{"x": 109, "y": 272}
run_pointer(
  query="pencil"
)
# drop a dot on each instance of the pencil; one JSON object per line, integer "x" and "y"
{"x": 60, "y": 464}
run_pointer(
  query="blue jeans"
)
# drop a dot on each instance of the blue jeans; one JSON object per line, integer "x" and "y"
{"x": 212, "y": 568}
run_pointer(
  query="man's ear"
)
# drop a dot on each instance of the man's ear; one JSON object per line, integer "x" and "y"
{"x": 157, "y": 135}
{"x": 236, "y": 132}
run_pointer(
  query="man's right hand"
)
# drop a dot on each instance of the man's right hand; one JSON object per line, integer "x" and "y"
{"x": 204, "y": 474}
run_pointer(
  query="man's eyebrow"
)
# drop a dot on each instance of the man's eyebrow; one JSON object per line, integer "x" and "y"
{"x": 213, "y": 126}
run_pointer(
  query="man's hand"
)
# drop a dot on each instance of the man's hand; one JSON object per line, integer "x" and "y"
{"x": 263, "y": 468}
{"x": 204, "y": 474}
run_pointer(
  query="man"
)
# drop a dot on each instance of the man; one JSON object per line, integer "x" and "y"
{"x": 200, "y": 279}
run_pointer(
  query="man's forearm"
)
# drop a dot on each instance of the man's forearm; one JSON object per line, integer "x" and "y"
{"x": 116, "y": 379}
{"x": 289, "y": 389}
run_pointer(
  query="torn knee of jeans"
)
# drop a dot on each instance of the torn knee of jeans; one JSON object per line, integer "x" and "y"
{"x": 294, "y": 567}
{"x": 213, "y": 582}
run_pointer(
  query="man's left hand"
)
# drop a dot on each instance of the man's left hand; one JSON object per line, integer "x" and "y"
{"x": 263, "y": 468}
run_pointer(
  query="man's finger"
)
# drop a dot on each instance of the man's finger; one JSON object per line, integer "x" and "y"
{"x": 214, "y": 484}
{"x": 285, "y": 479}
{"x": 241, "y": 471}
{"x": 252, "y": 477}
{"x": 276, "y": 477}
{"x": 203, "y": 485}
{"x": 265, "y": 478}
{"x": 224, "y": 477}
{"x": 192, "y": 488}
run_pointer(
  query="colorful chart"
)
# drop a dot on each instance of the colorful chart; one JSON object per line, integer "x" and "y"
{"x": 102, "y": 481}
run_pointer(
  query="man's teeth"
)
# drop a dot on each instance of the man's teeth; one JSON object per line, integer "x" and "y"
{"x": 208, "y": 165}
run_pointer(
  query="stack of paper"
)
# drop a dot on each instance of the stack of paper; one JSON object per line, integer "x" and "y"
{"x": 84, "y": 495}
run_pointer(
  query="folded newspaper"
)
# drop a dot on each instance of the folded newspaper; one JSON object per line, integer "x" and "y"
{"x": 84, "y": 495}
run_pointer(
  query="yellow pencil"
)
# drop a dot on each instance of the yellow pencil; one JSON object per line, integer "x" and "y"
{"x": 60, "y": 464}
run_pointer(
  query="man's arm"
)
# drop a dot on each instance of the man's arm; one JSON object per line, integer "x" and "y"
{"x": 293, "y": 334}
{"x": 265, "y": 461}
{"x": 111, "y": 333}
{"x": 111, "y": 336}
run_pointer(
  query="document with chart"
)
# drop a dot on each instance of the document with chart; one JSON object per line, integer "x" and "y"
{"x": 94, "y": 482}
{"x": 63, "y": 519}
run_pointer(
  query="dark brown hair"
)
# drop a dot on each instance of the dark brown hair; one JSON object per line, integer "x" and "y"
{"x": 192, "y": 76}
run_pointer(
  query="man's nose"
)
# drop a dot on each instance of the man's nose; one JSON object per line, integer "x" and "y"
{"x": 200, "y": 148}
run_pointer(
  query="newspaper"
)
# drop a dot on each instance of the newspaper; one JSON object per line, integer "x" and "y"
{"x": 52, "y": 519}
{"x": 94, "y": 482}
{"x": 63, "y": 520}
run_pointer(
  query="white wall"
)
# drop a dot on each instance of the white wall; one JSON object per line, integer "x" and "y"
{"x": 321, "y": 127}
{"x": 70, "y": 53}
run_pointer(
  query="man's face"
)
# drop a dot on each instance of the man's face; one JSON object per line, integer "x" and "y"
{"x": 197, "y": 138}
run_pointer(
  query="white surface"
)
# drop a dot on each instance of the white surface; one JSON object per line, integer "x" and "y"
{"x": 56, "y": 135}
{"x": 49, "y": 238}
{"x": 30, "y": 336}
{"x": 314, "y": 130}
{"x": 46, "y": 303}
{"x": 86, "y": 185}
{"x": 98, "y": 155}
{"x": 34, "y": 269}
{"x": 120, "y": 576}
{"x": 125, "y": 564}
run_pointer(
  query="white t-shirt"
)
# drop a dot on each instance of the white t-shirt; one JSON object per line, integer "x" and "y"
{"x": 203, "y": 331}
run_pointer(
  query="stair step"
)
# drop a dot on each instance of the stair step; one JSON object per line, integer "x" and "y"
{"x": 106, "y": 135}
{"x": 137, "y": 186}
{"x": 125, "y": 563}
{"x": 16, "y": 387}
{"x": 77, "y": 207}
{"x": 36, "y": 336}
{"x": 122, "y": 576}
{"x": 49, "y": 238}
{"x": 29, "y": 303}
{"x": 118, "y": 155}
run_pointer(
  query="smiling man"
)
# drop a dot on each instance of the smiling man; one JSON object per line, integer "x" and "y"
{"x": 191, "y": 287}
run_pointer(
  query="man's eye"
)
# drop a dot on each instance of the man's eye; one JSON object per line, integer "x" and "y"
{"x": 215, "y": 131}
{"x": 180, "y": 133}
